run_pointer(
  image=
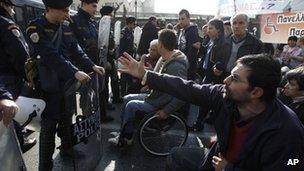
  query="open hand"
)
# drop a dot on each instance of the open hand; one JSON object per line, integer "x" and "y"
{"x": 131, "y": 66}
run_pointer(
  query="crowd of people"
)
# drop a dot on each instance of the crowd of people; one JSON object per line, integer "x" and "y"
{"x": 257, "y": 112}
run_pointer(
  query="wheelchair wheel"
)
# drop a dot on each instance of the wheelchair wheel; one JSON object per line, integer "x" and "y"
{"x": 158, "y": 137}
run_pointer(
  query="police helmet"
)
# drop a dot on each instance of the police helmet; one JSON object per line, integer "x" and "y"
{"x": 105, "y": 10}
{"x": 89, "y": 1}
{"x": 57, "y": 4}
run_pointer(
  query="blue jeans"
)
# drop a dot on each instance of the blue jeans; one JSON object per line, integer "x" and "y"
{"x": 131, "y": 104}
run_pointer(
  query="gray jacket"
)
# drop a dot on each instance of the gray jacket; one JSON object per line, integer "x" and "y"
{"x": 177, "y": 65}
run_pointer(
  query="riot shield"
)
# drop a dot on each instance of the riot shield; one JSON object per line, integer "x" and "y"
{"x": 117, "y": 33}
{"x": 103, "y": 37}
{"x": 137, "y": 35}
{"x": 10, "y": 154}
{"x": 85, "y": 135}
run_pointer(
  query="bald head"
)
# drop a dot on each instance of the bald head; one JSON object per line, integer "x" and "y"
{"x": 153, "y": 49}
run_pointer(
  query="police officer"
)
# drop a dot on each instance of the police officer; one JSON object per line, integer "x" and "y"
{"x": 57, "y": 48}
{"x": 111, "y": 70}
{"x": 127, "y": 45}
{"x": 85, "y": 28}
{"x": 14, "y": 52}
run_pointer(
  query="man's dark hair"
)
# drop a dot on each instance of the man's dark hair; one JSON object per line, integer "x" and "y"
{"x": 265, "y": 73}
{"x": 184, "y": 11}
{"x": 130, "y": 20}
{"x": 218, "y": 24}
{"x": 292, "y": 38}
{"x": 167, "y": 38}
{"x": 297, "y": 75}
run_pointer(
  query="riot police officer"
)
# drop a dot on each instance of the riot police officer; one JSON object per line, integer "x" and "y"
{"x": 111, "y": 70}
{"x": 85, "y": 30}
{"x": 14, "y": 52}
{"x": 127, "y": 45}
{"x": 58, "y": 51}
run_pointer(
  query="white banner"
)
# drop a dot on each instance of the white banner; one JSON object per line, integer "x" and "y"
{"x": 254, "y": 7}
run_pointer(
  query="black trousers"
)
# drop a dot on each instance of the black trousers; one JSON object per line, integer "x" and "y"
{"x": 48, "y": 130}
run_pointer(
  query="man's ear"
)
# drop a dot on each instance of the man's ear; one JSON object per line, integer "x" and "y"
{"x": 257, "y": 92}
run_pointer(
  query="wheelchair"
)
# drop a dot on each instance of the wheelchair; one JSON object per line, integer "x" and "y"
{"x": 158, "y": 137}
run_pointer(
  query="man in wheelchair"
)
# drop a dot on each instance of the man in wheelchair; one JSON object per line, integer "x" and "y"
{"x": 174, "y": 63}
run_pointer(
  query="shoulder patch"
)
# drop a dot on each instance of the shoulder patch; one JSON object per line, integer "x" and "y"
{"x": 68, "y": 33}
{"x": 34, "y": 37}
{"x": 66, "y": 23}
{"x": 31, "y": 28}
{"x": 13, "y": 26}
{"x": 16, "y": 32}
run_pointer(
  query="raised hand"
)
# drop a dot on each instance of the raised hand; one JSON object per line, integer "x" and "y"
{"x": 131, "y": 66}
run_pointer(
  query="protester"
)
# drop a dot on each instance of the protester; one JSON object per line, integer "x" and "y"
{"x": 294, "y": 89}
{"x": 227, "y": 28}
{"x": 290, "y": 56}
{"x": 149, "y": 33}
{"x": 241, "y": 42}
{"x": 255, "y": 130}
{"x": 188, "y": 41}
{"x": 175, "y": 63}
{"x": 217, "y": 53}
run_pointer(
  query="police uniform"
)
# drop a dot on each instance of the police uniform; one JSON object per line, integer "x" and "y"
{"x": 85, "y": 30}
{"x": 126, "y": 45}
{"x": 14, "y": 53}
{"x": 61, "y": 60}
{"x": 111, "y": 73}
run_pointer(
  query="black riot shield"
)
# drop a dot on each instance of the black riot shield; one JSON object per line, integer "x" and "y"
{"x": 85, "y": 134}
{"x": 10, "y": 154}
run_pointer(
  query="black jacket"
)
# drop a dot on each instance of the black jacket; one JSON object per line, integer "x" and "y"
{"x": 251, "y": 45}
{"x": 14, "y": 52}
{"x": 149, "y": 33}
{"x": 218, "y": 58}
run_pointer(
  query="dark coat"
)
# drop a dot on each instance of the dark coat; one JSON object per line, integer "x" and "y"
{"x": 276, "y": 135}
{"x": 149, "y": 33}
{"x": 62, "y": 60}
{"x": 13, "y": 54}
{"x": 298, "y": 108}
{"x": 251, "y": 45}
{"x": 219, "y": 57}
{"x": 86, "y": 33}
{"x": 126, "y": 41}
